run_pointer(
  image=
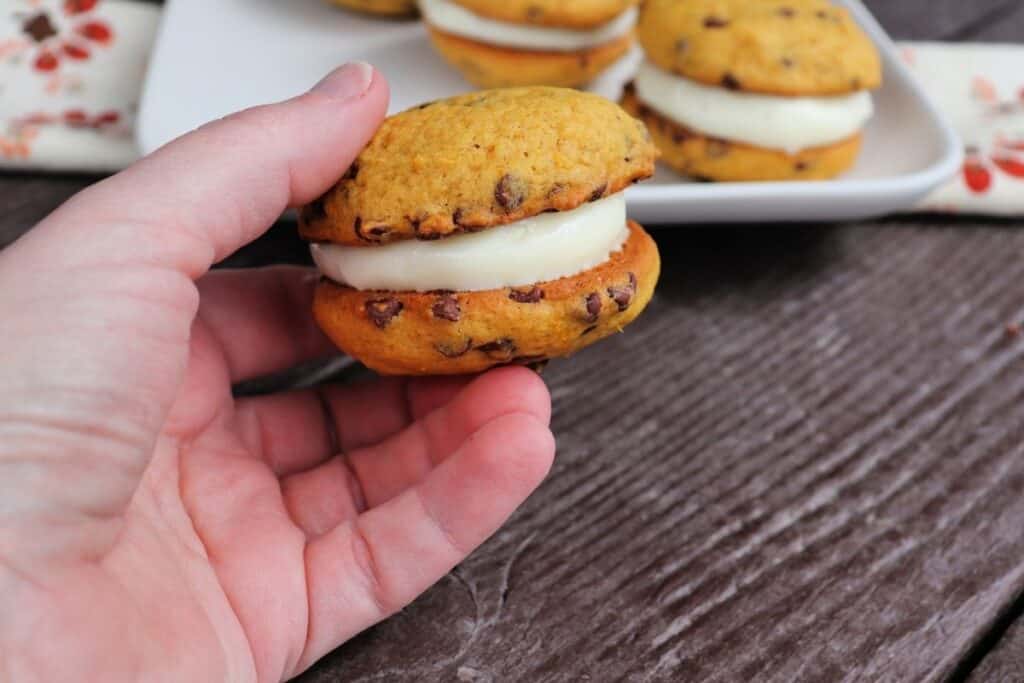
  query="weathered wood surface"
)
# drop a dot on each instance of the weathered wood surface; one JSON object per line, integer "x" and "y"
{"x": 804, "y": 464}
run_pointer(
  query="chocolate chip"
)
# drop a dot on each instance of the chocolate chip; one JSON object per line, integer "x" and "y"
{"x": 716, "y": 149}
{"x": 730, "y": 82}
{"x": 500, "y": 349}
{"x": 623, "y": 295}
{"x": 510, "y": 192}
{"x": 855, "y": 83}
{"x": 593, "y": 304}
{"x": 821, "y": 14}
{"x": 447, "y": 308}
{"x": 680, "y": 135}
{"x": 449, "y": 351}
{"x": 788, "y": 63}
{"x": 39, "y": 27}
{"x": 530, "y": 296}
{"x": 379, "y": 231}
{"x": 587, "y": 331}
{"x": 715, "y": 22}
{"x": 383, "y": 311}
{"x": 457, "y": 217}
{"x": 598, "y": 192}
{"x": 787, "y": 12}
{"x": 315, "y": 210}
{"x": 534, "y": 13}
{"x": 682, "y": 45}
{"x": 800, "y": 166}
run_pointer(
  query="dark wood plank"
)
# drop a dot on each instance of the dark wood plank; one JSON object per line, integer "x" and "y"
{"x": 26, "y": 198}
{"x": 806, "y": 463}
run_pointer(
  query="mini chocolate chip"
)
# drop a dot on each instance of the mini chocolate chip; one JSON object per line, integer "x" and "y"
{"x": 510, "y": 192}
{"x": 679, "y": 135}
{"x": 457, "y": 217}
{"x": 593, "y": 304}
{"x": 788, "y": 63}
{"x": 855, "y": 83}
{"x": 531, "y": 296}
{"x": 315, "y": 210}
{"x": 787, "y": 12}
{"x": 449, "y": 351}
{"x": 598, "y": 192}
{"x": 715, "y": 22}
{"x": 533, "y": 13}
{"x": 500, "y": 349}
{"x": 584, "y": 60}
{"x": 800, "y": 166}
{"x": 682, "y": 45}
{"x": 716, "y": 149}
{"x": 729, "y": 81}
{"x": 587, "y": 331}
{"x": 623, "y": 295}
{"x": 821, "y": 14}
{"x": 447, "y": 308}
{"x": 379, "y": 231}
{"x": 383, "y": 311}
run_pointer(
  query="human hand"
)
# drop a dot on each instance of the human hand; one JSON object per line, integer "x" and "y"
{"x": 154, "y": 528}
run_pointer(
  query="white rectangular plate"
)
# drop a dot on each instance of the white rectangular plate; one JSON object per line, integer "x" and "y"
{"x": 213, "y": 58}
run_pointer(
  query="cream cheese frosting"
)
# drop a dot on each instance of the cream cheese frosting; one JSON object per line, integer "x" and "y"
{"x": 790, "y": 124}
{"x": 536, "y": 249}
{"x": 451, "y": 18}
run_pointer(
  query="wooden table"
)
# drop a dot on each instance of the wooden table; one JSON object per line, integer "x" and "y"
{"x": 804, "y": 463}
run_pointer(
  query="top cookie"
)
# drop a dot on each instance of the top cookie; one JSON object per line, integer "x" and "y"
{"x": 575, "y": 14}
{"x": 481, "y": 160}
{"x": 783, "y": 47}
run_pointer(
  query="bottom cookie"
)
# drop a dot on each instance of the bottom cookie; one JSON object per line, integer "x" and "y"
{"x": 395, "y": 8}
{"x": 451, "y": 333}
{"x": 488, "y": 66}
{"x": 707, "y": 158}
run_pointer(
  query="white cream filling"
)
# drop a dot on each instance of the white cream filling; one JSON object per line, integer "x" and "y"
{"x": 536, "y": 249}
{"x": 776, "y": 122}
{"x": 457, "y": 20}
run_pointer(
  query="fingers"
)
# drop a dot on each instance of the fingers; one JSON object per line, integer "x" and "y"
{"x": 370, "y": 567}
{"x": 203, "y": 196}
{"x": 375, "y": 474}
{"x": 296, "y": 431}
{"x": 262, "y": 318}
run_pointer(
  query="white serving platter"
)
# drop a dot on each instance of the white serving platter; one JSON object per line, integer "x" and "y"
{"x": 213, "y": 58}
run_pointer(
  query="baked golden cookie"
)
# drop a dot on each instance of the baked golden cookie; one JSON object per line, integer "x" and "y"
{"x": 735, "y": 90}
{"x": 549, "y": 264}
{"x": 575, "y": 14}
{"x": 779, "y": 47}
{"x": 481, "y": 160}
{"x": 487, "y": 66}
{"x": 705, "y": 158}
{"x": 526, "y": 42}
{"x": 393, "y": 8}
{"x": 429, "y": 333}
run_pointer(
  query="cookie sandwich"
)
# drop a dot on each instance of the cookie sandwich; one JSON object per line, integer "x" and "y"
{"x": 387, "y": 8}
{"x": 487, "y": 229}
{"x": 504, "y": 43}
{"x": 737, "y": 90}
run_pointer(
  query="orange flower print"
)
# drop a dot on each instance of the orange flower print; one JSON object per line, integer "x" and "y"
{"x": 73, "y": 36}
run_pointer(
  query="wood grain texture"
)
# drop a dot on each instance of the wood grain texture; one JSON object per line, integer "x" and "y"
{"x": 804, "y": 463}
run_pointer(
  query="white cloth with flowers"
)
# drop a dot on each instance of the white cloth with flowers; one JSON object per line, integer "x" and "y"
{"x": 71, "y": 72}
{"x": 70, "y": 76}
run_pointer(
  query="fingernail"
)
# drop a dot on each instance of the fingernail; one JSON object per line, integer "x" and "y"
{"x": 346, "y": 82}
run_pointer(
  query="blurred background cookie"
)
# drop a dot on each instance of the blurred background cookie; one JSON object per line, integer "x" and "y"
{"x": 767, "y": 90}
{"x": 391, "y": 8}
{"x": 484, "y": 230}
{"x": 542, "y": 42}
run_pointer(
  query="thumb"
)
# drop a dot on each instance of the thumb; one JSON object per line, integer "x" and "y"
{"x": 204, "y": 195}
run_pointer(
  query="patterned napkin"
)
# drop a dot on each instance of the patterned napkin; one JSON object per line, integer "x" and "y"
{"x": 70, "y": 76}
{"x": 71, "y": 72}
{"x": 981, "y": 89}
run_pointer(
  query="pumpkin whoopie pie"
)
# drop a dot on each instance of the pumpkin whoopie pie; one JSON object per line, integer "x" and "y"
{"x": 483, "y": 230}
{"x": 503, "y": 43}
{"x": 737, "y": 90}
